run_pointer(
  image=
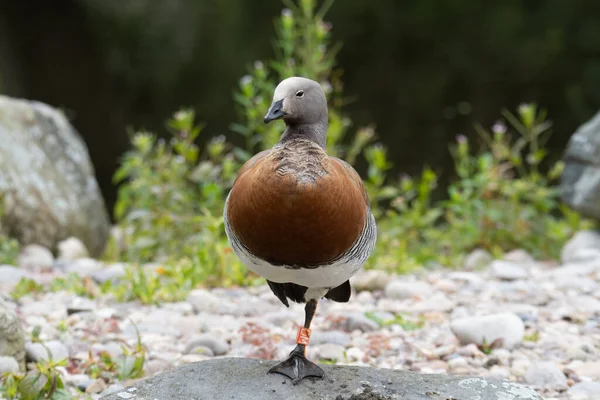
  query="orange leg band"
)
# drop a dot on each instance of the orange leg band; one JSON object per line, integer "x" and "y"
{"x": 303, "y": 336}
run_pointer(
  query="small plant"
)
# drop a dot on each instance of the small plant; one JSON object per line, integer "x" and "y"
{"x": 26, "y": 286}
{"x": 9, "y": 247}
{"x": 405, "y": 323}
{"x": 43, "y": 381}
{"x": 129, "y": 365}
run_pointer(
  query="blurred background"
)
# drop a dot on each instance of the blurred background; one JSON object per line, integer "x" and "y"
{"x": 421, "y": 71}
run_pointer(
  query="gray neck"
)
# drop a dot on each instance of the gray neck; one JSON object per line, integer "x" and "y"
{"x": 316, "y": 132}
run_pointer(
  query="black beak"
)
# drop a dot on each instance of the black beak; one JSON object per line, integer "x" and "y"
{"x": 275, "y": 111}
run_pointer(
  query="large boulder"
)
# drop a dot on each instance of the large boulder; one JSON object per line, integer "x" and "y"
{"x": 247, "y": 379}
{"x": 580, "y": 182}
{"x": 47, "y": 181}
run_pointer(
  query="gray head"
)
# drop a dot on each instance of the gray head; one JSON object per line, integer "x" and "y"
{"x": 302, "y": 104}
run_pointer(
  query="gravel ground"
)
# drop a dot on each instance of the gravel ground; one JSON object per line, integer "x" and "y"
{"x": 515, "y": 318}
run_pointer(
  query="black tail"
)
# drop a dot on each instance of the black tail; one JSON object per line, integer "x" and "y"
{"x": 341, "y": 294}
{"x": 294, "y": 292}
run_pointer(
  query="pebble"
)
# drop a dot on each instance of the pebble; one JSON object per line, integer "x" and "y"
{"x": 111, "y": 273}
{"x": 371, "y": 280}
{"x": 331, "y": 337}
{"x": 37, "y": 352}
{"x": 585, "y": 391}
{"x": 507, "y": 270}
{"x": 203, "y": 350}
{"x": 8, "y": 364}
{"x": 477, "y": 259}
{"x": 546, "y": 375}
{"x": 358, "y": 321}
{"x": 486, "y": 329}
{"x": 330, "y": 351}
{"x": 583, "y": 246}
{"x": 401, "y": 289}
{"x": 548, "y": 318}
{"x": 96, "y": 386}
{"x": 12, "y": 275}
{"x": 589, "y": 370}
{"x": 71, "y": 249}
{"x": 519, "y": 256}
{"x": 35, "y": 257}
{"x": 216, "y": 346}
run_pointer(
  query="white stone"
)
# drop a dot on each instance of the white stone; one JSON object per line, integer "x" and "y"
{"x": 39, "y": 352}
{"x": 477, "y": 259}
{"x": 34, "y": 257}
{"x": 72, "y": 249}
{"x": 508, "y": 270}
{"x": 8, "y": 364}
{"x": 589, "y": 370}
{"x": 583, "y": 246}
{"x": 402, "y": 289}
{"x": 486, "y": 329}
{"x": 585, "y": 391}
{"x": 370, "y": 280}
{"x": 546, "y": 375}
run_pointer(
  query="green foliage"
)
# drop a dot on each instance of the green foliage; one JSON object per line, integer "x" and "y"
{"x": 9, "y": 247}
{"x": 43, "y": 381}
{"x": 404, "y": 322}
{"x": 501, "y": 200}
{"x": 129, "y": 365}
{"x": 170, "y": 204}
{"x": 172, "y": 192}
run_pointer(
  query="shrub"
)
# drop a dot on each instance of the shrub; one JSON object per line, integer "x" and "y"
{"x": 500, "y": 200}
{"x": 171, "y": 193}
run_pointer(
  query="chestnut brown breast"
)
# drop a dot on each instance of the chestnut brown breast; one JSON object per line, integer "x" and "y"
{"x": 296, "y": 206}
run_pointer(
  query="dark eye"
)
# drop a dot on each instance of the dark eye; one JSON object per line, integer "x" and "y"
{"x": 300, "y": 93}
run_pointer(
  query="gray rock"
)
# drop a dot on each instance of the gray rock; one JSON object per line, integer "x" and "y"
{"x": 358, "y": 321}
{"x": 583, "y": 246}
{"x": 204, "y": 301}
{"x": 508, "y": 270}
{"x": 217, "y": 346}
{"x": 519, "y": 256}
{"x": 333, "y": 337}
{"x": 329, "y": 351}
{"x": 479, "y": 329}
{"x": 8, "y": 364}
{"x": 241, "y": 378}
{"x": 34, "y": 256}
{"x": 12, "y": 275}
{"x": 402, "y": 289}
{"x": 477, "y": 259}
{"x": 37, "y": 352}
{"x": 585, "y": 391}
{"x": 12, "y": 335}
{"x": 111, "y": 273}
{"x": 48, "y": 179}
{"x": 370, "y": 280}
{"x": 83, "y": 267}
{"x": 201, "y": 350}
{"x": 589, "y": 370}
{"x": 580, "y": 180}
{"x": 546, "y": 375}
{"x": 72, "y": 249}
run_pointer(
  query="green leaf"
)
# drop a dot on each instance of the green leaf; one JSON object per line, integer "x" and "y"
{"x": 32, "y": 384}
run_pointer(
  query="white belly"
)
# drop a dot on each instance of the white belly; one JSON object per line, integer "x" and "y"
{"x": 327, "y": 276}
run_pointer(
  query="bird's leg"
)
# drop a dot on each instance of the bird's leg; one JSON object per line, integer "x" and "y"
{"x": 297, "y": 366}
